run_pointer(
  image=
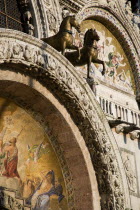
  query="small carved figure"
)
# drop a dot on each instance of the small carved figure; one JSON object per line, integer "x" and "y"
{"x": 40, "y": 59}
{"x": 64, "y": 39}
{"x": 27, "y": 18}
{"x": 17, "y": 51}
{"x": 30, "y": 29}
{"x": 130, "y": 175}
{"x": 28, "y": 53}
{"x": 89, "y": 52}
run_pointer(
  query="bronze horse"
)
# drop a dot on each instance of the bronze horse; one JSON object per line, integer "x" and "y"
{"x": 89, "y": 52}
{"x": 64, "y": 39}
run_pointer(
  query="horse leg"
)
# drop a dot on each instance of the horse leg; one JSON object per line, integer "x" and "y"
{"x": 73, "y": 47}
{"x": 98, "y": 61}
{"x": 63, "y": 48}
{"x": 103, "y": 72}
{"x": 88, "y": 67}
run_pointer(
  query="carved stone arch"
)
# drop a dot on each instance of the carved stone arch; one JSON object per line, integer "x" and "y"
{"x": 109, "y": 19}
{"x": 55, "y": 73}
{"x": 65, "y": 139}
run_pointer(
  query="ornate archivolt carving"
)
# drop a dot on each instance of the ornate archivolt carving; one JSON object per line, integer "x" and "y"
{"x": 58, "y": 75}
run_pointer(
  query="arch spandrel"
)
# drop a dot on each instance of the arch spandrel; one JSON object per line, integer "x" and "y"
{"x": 80, "y": 103}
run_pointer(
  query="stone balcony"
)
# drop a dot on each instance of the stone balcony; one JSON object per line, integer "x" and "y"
{"x": 122, "y": 118}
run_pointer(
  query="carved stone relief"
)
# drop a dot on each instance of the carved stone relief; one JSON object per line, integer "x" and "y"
{"x": 131, "y": 171}
{"x": 53, "y": 26}
{"x": 53, "y": 14}
{"x": 24, "y": 52}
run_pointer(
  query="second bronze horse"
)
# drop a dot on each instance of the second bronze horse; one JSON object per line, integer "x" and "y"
{"x": 88, "y": 54}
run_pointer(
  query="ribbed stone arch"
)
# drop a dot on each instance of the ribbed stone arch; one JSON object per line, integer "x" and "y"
{"x": 109, "y": 19}
{"x": 66, "y": 140}
{"x": 56, "y": 74}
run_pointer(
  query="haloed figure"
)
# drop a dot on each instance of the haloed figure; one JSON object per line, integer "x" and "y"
{"x": 11, "y": 160}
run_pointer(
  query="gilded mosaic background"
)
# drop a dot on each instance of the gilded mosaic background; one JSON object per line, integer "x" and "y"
{"x": 28, "y": 163}
{"x": 118, "y": 70}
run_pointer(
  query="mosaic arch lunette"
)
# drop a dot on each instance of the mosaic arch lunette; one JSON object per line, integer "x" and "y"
{"x": 48, "y": 67}
{"x": 112, "y": 22}
{"x": 29, "y": 168}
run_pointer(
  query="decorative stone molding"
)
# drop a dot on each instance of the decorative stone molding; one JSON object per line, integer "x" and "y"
{"x": 120, "y": 32}
{"x": 129, "y": 161}
{"x": 52, "y": 15}
{"x": 36, "y": 59}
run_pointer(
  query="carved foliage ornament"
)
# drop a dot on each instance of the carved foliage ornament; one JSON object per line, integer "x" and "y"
{"x": 49, "y": 71}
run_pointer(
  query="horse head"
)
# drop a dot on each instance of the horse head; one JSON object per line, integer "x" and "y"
{"x": 91, "y": 35}
{"x": 75, "y": 23}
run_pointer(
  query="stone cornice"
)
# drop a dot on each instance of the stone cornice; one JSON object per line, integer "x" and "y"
{"x": 30, "y": 56}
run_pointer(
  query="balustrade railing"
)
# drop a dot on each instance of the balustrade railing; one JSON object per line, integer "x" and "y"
{"x": 117, "y": 111}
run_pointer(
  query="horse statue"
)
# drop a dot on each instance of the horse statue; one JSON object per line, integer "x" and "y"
{"x": 89, "y": 52}
{"x": 64, "y": 39}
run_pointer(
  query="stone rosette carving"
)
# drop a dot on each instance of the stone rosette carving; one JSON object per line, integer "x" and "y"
{"x": 53, "y": 71}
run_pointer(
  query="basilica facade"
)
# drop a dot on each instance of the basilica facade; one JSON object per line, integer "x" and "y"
{"x": 69, "y": 104}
